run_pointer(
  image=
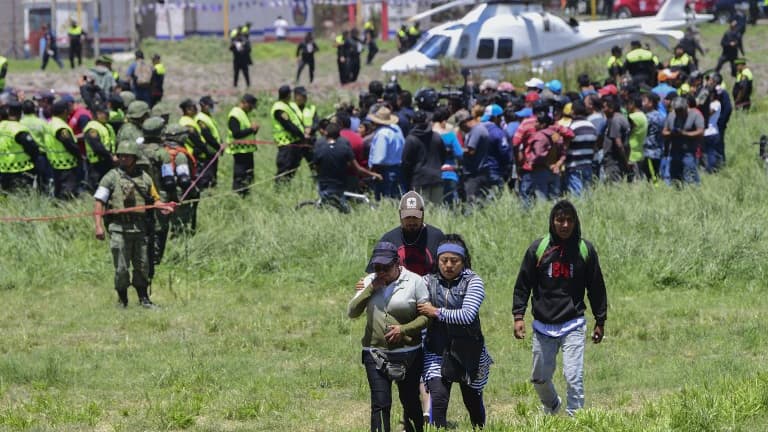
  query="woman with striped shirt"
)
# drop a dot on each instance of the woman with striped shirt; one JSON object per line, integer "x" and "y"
{"x": 454, "y": 346}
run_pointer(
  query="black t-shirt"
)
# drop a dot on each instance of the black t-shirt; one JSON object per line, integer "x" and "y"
{"x": 331, "y": 161}
{"x": 417, "y": 254}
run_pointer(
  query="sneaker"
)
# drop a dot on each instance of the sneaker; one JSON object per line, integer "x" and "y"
{"x": 555, "y": 408}
{"x": 147, "y": 303}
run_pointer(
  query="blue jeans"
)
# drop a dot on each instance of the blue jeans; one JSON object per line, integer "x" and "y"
{"x": 545, "y": 350}
{"x": 390, "y": 186}
{"x": 543, "y": 184}
{"x": 713, "y": 154}
{"x": 578, "y": 179}
{"x": 683, "y": 167}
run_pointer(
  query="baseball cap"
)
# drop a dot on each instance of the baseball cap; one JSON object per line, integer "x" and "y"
{"x": 489, "y": 84}
{"x": 531, "y": 97}
{"x": 535, "y": 83}
{"x": 411, "y": 205}
{"x": 460, "y": 117}
{"x": 249, "y": 98}
{"x": 610, "y": 89}
{"x": 207, "y": 100}
{"x": 384, "y": 253}
{"x": 284, "y": 91}
{"x": 523, "y": 113}
{"x": 492, "y": 110}
{"x": 300, "y": 90}
{"x": 67, "y": 98}
{"x": 555, "y": 86}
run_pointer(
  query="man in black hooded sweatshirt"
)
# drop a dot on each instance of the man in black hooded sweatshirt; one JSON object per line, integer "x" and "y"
{"x": 558, "y": 269}
{"x": 423, "y": 157}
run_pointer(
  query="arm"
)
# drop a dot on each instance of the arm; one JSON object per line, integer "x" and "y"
{"x": 4, "y": 70}
{"x": 197, "y": 142}
{"x": 98, "y": 219}
{"x": 208, "y": 137}
{"x": 28, "y": 143}
{"x": 359, "y": 302}
{"x": 68, "y": 140}
{"x": 284, "y": 121}
{"x": 413, "y": 328}
{"x": 361, "y": 170}
{"x": 237, "y": 132}
{"x": 92, "y": 139}
{"x": 526, "y": 280}
{"x": 470, "y": 307}
{"x": 598, "y": 299}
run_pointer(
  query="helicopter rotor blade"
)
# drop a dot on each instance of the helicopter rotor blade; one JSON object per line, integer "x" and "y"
{"x": 441, "y": 8}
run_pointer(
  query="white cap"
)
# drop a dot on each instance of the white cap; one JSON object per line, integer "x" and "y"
{"x": 535, "y": 82}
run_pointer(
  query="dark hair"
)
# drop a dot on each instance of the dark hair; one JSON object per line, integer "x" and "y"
{"x": 332, "y": 130}
{"x": 579, "y": 108}
{"x": 14, "y": 110}
{"x": 583, "y": 80}
{"x": 376, "y": 88}
{"x": 343, "y": 119}
{"x": 653, "y": 97}
{"x": 612, "y": 102}
{"x": 441, "y": 114}
{"x": 458, "y": 240}
{"x": 28, "y": 107}
{"x": 419, "y": 117}
{"x": 406, "y": 99}
{"x": 635, "y": 100}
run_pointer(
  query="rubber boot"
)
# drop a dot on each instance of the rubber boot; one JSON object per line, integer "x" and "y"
{"x": 144, "y": 300}
{"x": 122, "y": 296}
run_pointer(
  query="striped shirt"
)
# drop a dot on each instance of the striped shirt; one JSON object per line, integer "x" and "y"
{"x": 582, "y": 149}
{"x": 464, "y": 316}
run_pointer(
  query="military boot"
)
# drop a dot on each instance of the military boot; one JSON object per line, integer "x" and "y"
{"x": 122, "y": 296}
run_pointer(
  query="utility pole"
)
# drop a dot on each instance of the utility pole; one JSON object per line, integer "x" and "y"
{"x": 13, "y": 51}
{"x": 226, "y": 18}
{"x": 54, "y": 29}
{"x": 80, "y": 12}
{"x": 132, "y": 24}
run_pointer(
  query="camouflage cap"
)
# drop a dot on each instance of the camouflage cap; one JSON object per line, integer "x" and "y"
{"x": 137, "y": 110}
{"x": 160, "y": 110}
{"x": 127, "y": 97}
{"x": 153, "y": 126}
{"x": 128, "y": 148}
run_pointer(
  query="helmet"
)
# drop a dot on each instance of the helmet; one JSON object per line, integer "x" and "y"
{"x": 175, "y": 132}
{"x": 426, "y": 99}
{"x": 137, "y": 110}
{"x": 153, "y": 126}
{"x": 128, "y": 148}
{"x": 127, "y": 97}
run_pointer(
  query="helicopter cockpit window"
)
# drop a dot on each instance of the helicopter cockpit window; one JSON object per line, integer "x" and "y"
{"x": 435, "y": 47}
{"x": 505, "y": 49}
{"x": 485, "y": 49}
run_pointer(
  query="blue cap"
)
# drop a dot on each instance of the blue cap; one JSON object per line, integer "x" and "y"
{"x": 66, "y": 97}
{"x": 384, "y": 253}
{"x": 525, "y": 112}
{"x": 555, "y": 86}
{"x": 492, "y": 110}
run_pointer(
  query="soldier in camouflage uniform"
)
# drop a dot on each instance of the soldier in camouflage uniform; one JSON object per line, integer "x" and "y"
{"x": 178, "y": 172}
{"x": 125, "y": 187}
{"x": 137, "y": 112}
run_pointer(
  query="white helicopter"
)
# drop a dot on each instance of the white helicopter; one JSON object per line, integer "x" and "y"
{"x": 503, "y": 34}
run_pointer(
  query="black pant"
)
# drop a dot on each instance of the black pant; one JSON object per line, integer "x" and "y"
{"x": 289, "y": 159}
{"x": 372, "y": 50}
{"x": 721, "y": 61}
{"x": 55, "y": 57}
{"x": 242, "y": 67}
{"x": 343, "y": 71}
{"x": 208, "y": 178}
{"x": 65, "y": 183}
{"x": 242, "y": 173}
{"x": 75, "y": 52}
{"x": 381, "y": 395}
{"x": 645, "y": 168}
{"x": 476, "y": 187}
{"x": 353, "y": 68}
{"x": 10, "y": 182}
{"x": 311, "y": 64}
{"x": 440, "y": 394}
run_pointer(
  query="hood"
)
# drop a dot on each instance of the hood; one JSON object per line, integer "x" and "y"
{"x": 569, "y": 207}
{"x": 421, "y": 130}
{"x": 99, "y": 70}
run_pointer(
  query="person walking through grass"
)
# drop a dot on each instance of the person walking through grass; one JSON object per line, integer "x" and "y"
{"x": 556, "y": 272}
{"x": 392, "y": 349}
{"x": 454, "y": 346}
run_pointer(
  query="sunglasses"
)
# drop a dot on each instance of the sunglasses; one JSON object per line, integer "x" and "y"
{"x": 383, "y": 267}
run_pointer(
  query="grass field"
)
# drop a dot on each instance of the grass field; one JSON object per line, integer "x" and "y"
{"x": 252, "y": 334}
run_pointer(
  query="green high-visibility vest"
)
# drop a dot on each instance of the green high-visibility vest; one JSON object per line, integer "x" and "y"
{"x": 188, "y": 121}
{"x": 13, "y": 158}
{"x": 279, "y": 134}
{"x": 242, "y": 118}
{"x": 307, "y": 114}
{"x": 160, "y": 69}
{"x": 413, "y": 31}
{"x": 58, "y": 156}
{"x": 638, "y": 55}
{"x": 38, "y": 128}
{"x": 106, "y": 135}
{"x": 683, "y": 60}
{"x": 744, "y": 74}
{"x": 75, "y": 31}
{"x": 210, "y": 123}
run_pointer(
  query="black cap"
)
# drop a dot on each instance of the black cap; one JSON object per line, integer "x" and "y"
{"x": 384, "y": 253}
{"x": 284, "y": 91}
{"x": 207, "y": 100}
{"x": 249, "y": 99}
{"x": 59, "y": 107}
{"x": 300, "y": 90}
{"x": 139, "y": 54}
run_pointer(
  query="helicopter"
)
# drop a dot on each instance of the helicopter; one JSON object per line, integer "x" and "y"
{"x": 496, "y": 35}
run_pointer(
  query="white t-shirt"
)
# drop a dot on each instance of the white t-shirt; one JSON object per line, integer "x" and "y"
{"x": 281, "y": 26}
{"x": 714, "y": 116}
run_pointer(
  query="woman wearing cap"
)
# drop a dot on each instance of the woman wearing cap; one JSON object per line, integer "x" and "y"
{"x": 392, "y": 339}
{"x": 454, "y": 345}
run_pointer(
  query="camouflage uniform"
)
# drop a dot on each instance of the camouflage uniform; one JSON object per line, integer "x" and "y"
{"x": 128, "y": 231}
{"x": 178, "y": 172}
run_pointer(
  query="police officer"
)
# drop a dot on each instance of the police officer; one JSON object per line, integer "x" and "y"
{"x": 641, "y": 64}
{"x": 615, "y": 64}
{"x": 414, "y": 33}
{"x": 742, "y": 88}
{"x": 122, "y": 188}
{"x": 241, "y": 127}
{"x": 288, "y": 132}
{"x": 100, "y": 145}
{"x": 76, "y": 35}
{"x": 195, "y": 143}
{"x": 63, "y": 152}
{"x": 343, "y": 50}
{"x": 18, "y": 151}
{"x": 178, "y": 171}
{"x": 138, "y": 111}
{"x": 209, "y": 130}
{"x": 369, "y": 35}
{"x": 682, "y": 61}
{"x": 41, "y": 134}
{"x": 402, "y": 39}
{"x": 307, "y": 112}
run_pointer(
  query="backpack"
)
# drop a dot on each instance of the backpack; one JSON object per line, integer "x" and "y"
{"x": 143, "y": 73}
{"x": 175, "y": 150}
{"x": 544, "y": 245}
{"x": 541, "y": 149}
